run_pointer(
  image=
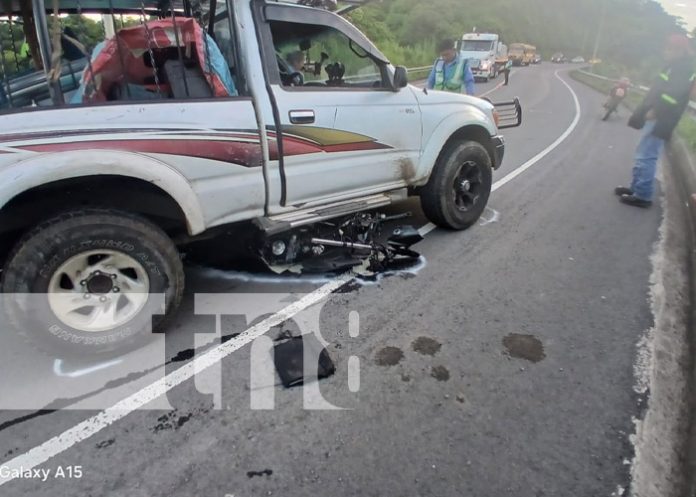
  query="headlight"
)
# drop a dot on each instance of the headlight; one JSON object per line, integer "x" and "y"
{"x": 485, "y": 65}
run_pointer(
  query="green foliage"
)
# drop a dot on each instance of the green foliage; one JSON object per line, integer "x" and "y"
{"x": 630, "y": 38}
{"x": 687, "y": 130}
{"x": 86, "y": 30}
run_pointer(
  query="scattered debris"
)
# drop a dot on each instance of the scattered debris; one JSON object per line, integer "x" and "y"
{"x": 342, "y": 244}
{"x": 440, "y": 373}
{"x": 289, "y": 355}
{"x": 460, "y": 398}
{"x": 173, "y": 420}
{"x": 265, "y": 472}
{"x": 105, "y": 443}
{"x": 405, "y": 378}
{"x": 526, "y": 347}
{"x": 426, "y": 346}
{"x": 389, "y": 356}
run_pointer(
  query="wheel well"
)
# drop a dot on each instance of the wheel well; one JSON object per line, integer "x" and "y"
{"x": 118, "y": 192}
{"x": 476, "y": 133}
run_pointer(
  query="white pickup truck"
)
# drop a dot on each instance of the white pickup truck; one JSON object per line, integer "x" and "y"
{"x": 263, "y": 117}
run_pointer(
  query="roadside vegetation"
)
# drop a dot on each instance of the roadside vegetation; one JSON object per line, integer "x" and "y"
{"x": 686, "y": 129}
{"x": 629, "y": 39}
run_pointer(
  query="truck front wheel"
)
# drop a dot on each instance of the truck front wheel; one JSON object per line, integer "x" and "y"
{"x": 459, "y": 186}
{"x": 92, "y": 281}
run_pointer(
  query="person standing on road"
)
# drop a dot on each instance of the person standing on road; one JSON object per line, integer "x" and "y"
{"x": 506, "y": 70}
{"x": 451, "y": 72}
{"x": 658, "y": 116}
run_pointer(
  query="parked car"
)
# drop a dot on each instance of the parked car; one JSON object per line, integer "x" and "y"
{"x": 175, "y": 135}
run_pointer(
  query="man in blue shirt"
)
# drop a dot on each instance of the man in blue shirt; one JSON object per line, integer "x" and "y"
{"x": 451, "y": 72}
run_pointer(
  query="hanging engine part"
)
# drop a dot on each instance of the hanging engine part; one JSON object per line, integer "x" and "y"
{"x": 342, "y": 244}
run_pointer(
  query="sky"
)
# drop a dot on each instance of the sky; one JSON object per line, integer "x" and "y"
{"x": 682, "y": 8}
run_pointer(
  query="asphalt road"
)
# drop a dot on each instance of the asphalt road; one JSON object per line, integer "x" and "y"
{"x": 502, "y": 365}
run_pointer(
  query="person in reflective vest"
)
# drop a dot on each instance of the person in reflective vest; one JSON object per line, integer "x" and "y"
{"x": 658, "y": 116}
{"x": 451, "y": 72}
{"x": 506, "y": 69}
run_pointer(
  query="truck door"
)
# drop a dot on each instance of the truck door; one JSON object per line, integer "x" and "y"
{"x": 345, "y": 131}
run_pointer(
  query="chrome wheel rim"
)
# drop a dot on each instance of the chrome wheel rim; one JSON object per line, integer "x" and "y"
{"x": 98, "y": 290}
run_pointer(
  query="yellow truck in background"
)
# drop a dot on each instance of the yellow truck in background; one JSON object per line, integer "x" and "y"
{"x": 522, "y": 54}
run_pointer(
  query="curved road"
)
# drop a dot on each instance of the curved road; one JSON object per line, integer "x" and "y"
{"x": 503, "y": 366}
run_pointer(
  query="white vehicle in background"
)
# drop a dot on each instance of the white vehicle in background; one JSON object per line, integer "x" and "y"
{"x": 279, "y": 124}
{"x": 485, "y": 52}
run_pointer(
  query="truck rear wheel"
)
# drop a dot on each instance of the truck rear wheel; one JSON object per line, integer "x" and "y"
{"x": 459, "y": 186}
{"x": 92, "y": 281}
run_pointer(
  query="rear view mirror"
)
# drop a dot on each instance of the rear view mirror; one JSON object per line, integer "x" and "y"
{"x": 400, "y": 77}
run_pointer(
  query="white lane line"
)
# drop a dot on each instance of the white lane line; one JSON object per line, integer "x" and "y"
{"x": 514, "y": 174}
{"x": 84, "y": 430}
{"x": 58, "y": 444}
{"x": 497, "y": 87}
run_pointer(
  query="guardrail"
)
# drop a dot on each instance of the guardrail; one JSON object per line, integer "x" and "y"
{"x": 367, "y": 77}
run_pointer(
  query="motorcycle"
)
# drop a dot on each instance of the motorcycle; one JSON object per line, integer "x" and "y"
{"x": 617, "y": 95}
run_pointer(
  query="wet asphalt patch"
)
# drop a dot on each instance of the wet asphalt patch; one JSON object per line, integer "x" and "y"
{"x": 426, "y": 346}
{"x": 440, "y": 373}
{"x": 389, "y": 356}
{"x": 527, "y": 347}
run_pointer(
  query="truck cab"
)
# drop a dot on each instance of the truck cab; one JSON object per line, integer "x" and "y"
{"x": 485, "y": 53}
{"x": 269, "y": 120}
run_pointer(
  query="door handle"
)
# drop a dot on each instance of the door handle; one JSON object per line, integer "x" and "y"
{"x": 302, "y": 116}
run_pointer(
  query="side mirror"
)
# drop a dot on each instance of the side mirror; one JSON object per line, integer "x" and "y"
{"x": 400, "y": 77}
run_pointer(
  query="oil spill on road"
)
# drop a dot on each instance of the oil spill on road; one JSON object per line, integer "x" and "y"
{"x": 350, "y": 287}
{"x": 440, "y": 373}
{"x": 183, "y": 356}
{"x": 265, "y": 472}
{"x": 173, "y": 420}
{"x": 527, "y": 347}
{"x": 105, "y": 443}
{"x": 426, "y": 346}
{"x": 389, "y": 356}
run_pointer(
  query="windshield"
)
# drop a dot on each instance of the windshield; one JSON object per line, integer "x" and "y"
{"x": 477, "y": 46}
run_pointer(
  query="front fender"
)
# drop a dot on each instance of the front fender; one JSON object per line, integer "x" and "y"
{"x": 444, "y": 130}
{"x": 42, "y": 168}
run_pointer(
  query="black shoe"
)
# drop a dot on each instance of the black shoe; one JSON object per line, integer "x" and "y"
{"x": 635, "y": 201}
{"x": 622, "y": 190}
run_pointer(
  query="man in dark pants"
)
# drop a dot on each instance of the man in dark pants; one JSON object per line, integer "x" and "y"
{"x": 506, "y": 70}
{"x": 658, "y": 116}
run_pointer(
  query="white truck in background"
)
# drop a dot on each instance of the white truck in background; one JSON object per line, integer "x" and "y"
{"x": 486, "y": 54}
